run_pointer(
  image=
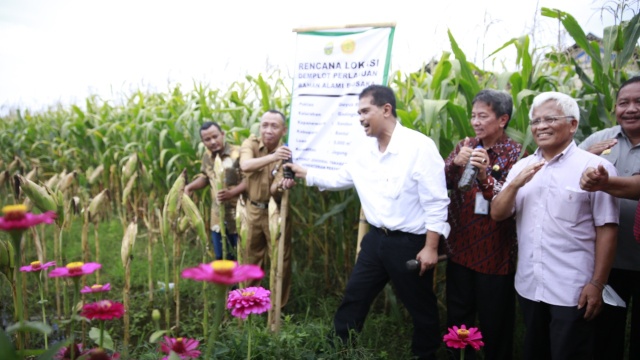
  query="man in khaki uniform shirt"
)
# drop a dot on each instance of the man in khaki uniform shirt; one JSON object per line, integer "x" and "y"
{"x": 212, "y": 137}
{"x": 261, "y": 162}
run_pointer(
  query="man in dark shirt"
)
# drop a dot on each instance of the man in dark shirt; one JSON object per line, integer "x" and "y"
{"x": 481, "y": 252}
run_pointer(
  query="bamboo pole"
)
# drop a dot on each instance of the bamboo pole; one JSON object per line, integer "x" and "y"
{"x": 284, "y": 209}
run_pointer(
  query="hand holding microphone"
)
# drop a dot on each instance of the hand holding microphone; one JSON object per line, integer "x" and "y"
{"x": 414, "y": 264}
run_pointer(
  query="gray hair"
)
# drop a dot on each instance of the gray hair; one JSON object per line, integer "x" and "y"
{"x": 566, "y": 103}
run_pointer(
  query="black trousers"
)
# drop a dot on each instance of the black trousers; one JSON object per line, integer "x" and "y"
{"x": 489, "y": 297}
{"x": 556, "y": 332}
{"x": 382, "y": 258}
{"x": 612, "y": 322}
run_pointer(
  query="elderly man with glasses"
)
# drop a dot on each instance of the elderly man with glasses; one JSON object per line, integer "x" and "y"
{"x": 566, "y": 236}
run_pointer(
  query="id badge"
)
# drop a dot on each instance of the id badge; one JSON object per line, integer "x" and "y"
{"x": 482, "y": 205}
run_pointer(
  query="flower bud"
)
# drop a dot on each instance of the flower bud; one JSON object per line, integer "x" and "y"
{"x": 155, "y": 315}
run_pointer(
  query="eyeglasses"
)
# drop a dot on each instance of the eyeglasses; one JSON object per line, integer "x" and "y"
{"x": 547, "y": 120}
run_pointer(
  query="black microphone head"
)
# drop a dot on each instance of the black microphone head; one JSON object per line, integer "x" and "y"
{"x": 413, "y": 265}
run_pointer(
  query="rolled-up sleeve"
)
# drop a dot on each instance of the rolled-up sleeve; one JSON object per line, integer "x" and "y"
{"x": 432, "y": 189}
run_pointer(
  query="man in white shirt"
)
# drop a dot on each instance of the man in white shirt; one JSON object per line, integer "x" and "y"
{"x": 399, "y": 177}
{"x": 566, "y": 236}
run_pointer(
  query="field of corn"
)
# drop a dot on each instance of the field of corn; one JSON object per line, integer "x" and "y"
{"x": 107, "y": 170}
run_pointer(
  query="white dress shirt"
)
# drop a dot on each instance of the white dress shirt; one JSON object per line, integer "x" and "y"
{"x": 556, "y": 223}
{"x": 403, "y": 188}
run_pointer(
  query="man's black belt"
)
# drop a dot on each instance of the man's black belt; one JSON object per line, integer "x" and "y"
{"x": 388, "y": 232}
{"x": 259, "y": 205}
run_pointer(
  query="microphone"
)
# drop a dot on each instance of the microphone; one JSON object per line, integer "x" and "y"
{"x": 413, "y": 265}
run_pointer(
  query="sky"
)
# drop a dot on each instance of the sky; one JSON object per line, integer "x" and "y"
{"x": 61, "y": 51}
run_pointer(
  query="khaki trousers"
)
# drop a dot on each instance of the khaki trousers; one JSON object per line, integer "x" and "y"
{"x": 259, "y": 246}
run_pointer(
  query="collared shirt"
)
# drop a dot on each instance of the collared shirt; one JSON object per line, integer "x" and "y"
{"x": 556, "y": 223}
{"x": 230, "y": 162}
{"x": 401, "y": 189}
{"x": 626, "y": 158}
{"x": 259, "y": 181}
{"x": 476, "y": 241}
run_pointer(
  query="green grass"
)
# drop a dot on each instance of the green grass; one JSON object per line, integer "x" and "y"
{"x": 307, "y": 319}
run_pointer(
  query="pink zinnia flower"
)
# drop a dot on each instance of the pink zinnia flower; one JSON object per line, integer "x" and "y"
{"x": 460, "y": 338}
{"x": 103, "y": 310}
{"x": 225, "y": 272}
{"x": 75, "y": 269}
{"x": 37, "y": 266}
{"x": 96, "y": 288}
{"x": 251, "y": 300}
{"x": 16, "y": 217}
{"x": 184, "y": 348}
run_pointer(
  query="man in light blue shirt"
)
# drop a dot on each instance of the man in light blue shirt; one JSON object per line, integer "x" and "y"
{"x": 566, "y": 236}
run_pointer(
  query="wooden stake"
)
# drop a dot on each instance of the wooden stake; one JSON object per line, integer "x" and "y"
{"x": 284, "y": 209}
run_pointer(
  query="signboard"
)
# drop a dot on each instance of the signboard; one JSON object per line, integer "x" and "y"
{"x": 332, "y": 67}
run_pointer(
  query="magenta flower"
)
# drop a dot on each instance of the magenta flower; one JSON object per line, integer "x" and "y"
{"x": 96, "y": 288}
{"x": 251, "y": 300}
{"x": 184, "y": 348}
{"x": 65, "y": 352}
{"x": 16, "y": 217}
{"x": 224, "y": 272}
{"x": 75, "y": 269}
{"x": 103, "y": 310}
{"x": 459, "y": 338}
{"x": 37, "y": 266}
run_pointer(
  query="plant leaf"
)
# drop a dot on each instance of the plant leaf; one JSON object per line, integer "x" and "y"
{"x": 6, "y": 347}
{"x": 156, "y": 335}
{"x": 30, "y": 326}
{"x": 107, "y": 341}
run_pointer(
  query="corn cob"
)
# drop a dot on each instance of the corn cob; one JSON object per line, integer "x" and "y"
{"x": 16, "y": 164}
{"x": 128, "y": 241}
{"x": 173, "y": 201}
{"x": 67, "y": 180}
{"x": 4, "y": 177}
{"x": 95, "y": 174}
{"x": 127, "y": 189}
{"x": 96, "y": 204}
{"x": 32, "y": 174}
{"x": 60, "y": 213}
{"x": 183, "y": 225}
{"x": 130, "y": 167}
{"x": 195, "y": 219}
{"x": 53, "y": 181}
{"x": 39, "y": 195}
